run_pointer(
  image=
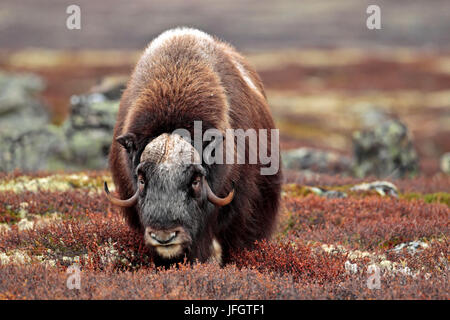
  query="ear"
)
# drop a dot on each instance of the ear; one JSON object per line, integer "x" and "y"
{"x": 128, "y": 141}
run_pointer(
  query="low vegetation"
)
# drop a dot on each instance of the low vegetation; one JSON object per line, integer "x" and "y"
{"x": 322, "y": 247}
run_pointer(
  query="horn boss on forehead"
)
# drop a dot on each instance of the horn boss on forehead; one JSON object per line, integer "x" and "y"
{"x": 172, "y": 149}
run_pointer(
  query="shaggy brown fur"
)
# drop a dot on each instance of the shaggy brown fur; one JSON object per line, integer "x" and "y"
{"x": 187, "y": 78}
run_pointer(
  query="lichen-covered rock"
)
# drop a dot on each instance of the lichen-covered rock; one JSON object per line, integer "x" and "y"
{"x": 315, "y": 160}
{"x": 31, "y": 148}
{"x": 384, "y": 150}
{"x": 89, "y": 130}
{"x": 382, "y": 187}
{"x": 445, "y": 163}
{"x": 92, "y": 111}
{"x": 27, "y": 140}
{"x": 330, "y": 194}
{"x": 17, "y": 92}
{"x": 412, "y": 247}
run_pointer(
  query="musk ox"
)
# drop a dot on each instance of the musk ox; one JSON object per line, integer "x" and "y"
{"x": 192, "y": 209}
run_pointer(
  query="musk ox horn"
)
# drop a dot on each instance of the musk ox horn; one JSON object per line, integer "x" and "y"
{"x": 122, "y": 203}
{"x": 215, "y": 199}
{"x": 170, "y": 149}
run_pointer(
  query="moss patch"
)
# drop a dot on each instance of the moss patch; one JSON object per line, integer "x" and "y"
{"x": 438, "y": 197}
{"x": 58, "y": 182}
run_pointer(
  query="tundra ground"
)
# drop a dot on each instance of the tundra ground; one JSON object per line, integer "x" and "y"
{"x": 322, "y": 247}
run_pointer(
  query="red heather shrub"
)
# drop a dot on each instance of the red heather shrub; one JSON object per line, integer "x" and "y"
{"x": 18, "y": 173}
{"x": 433, "y": 260}
{"x": 67, "y": 203}
{"x": 90, "y": 239}
{"x": 293, "y": 258}
{"x": 391, "y": 287}
{"x": 372, "y": 222}
{"x": 203, "y": 281}
{"x": 289, "y": 267}
{"x": 206, "y": 281}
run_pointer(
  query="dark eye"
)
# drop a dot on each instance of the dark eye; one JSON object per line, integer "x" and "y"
{"x": 196, "y": 184}
{"x": 141, "y": 183}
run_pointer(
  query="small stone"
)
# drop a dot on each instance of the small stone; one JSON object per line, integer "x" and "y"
{"x": 412, "y": 247}
{"x": 445, "y": 163}
{"x": 330, "y": 194}
{"x": 382, "y": 187}
{"x": 386, "y": 264}
{"x": 25, "y": 224}
{"x": 315, "y": 160}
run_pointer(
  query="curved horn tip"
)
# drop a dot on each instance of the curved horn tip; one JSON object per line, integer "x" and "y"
{"x": 106, "y": 187}
{"x": 230, "y": 196}
{"x": 121, "y": 203}
{"x": 217, "y": 200}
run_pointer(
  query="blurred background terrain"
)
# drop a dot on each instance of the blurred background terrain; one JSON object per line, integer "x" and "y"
{"x": 331, "y": 82}
{"x": 354, "y": 106}
{"x": 326, "y": 74}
